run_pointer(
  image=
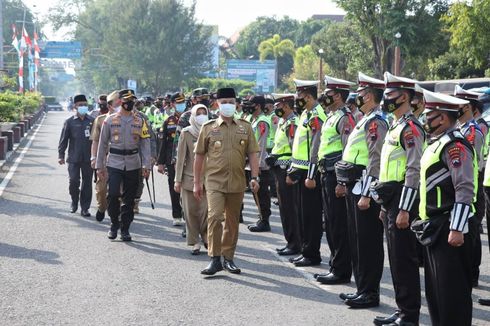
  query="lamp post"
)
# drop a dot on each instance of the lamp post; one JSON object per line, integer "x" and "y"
{"x": 320, "y": 77}
{"x": 397, "y": 54}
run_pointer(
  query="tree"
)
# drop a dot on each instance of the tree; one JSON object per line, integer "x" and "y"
{"x": 281, "y": 50}
{"x": 306, "y": 66}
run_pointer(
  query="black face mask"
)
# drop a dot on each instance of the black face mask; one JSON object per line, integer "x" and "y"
{"x": 248, "y": 109}
{"x": 428, "y": 124}
{"x": 103, "y": 108}
{"x": 279, "y": 112}
{"x": 390, "y": 105}
{"x": 204, "y": 102}
{"x": 128, "y": 106}
{"x": 300, "y": 103}
{"x": 359, "y": 101}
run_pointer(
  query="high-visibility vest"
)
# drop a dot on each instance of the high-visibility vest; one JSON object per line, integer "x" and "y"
{"x": 331, "y": 139}
{"x": 437, "y": 195}
{"x": 281, "y": 147}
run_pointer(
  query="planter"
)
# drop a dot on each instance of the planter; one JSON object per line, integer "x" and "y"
{"x": 17, "y": 136}
{"x": 22, "y": 129}
{"x": 3, "y": 148}
{"x": 10, "y": 139}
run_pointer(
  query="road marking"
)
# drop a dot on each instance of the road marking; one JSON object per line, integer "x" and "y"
{"x": 17, "y": 161}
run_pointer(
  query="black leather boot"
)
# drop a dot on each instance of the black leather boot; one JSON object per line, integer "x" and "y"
{"x": 213, "y": 267}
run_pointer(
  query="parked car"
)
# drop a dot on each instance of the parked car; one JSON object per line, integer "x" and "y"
{"x": 51, "y": 104}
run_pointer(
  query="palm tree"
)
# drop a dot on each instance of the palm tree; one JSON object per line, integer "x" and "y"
{"x": 281, "y": 50}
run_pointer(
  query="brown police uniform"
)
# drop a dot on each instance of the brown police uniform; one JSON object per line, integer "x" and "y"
{"x": 225, "y": 148}
{"x": 100, "y": 185}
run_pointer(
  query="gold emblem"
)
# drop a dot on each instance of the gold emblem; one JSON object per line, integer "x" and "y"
{"x": 217, "y": 144}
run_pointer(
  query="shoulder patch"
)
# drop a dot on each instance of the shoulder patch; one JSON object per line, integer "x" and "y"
{"x": 373, "y": 130}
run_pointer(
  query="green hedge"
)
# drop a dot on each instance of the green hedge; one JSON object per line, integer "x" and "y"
{"x": 14, "y": 106}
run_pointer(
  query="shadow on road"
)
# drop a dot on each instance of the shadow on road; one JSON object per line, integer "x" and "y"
{"x": 42, "y": 256}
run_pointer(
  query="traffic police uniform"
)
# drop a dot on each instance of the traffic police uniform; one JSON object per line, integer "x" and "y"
{"x": 363, "y": 150}
{"x": 166, "y": 154}
{"x": 448, "y": 182}
{"x": 399, "y": 176}
{"x": 281, "y": 161}
{"x": 335, "y": 132}
{"x": 126, "y": 139}
{"x": 304, "y": 163}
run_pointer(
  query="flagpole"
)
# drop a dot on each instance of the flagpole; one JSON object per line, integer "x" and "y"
{"x": 1, "y": 34}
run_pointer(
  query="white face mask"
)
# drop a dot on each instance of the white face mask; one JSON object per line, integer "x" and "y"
{"x": 227, "y": 109}
{"x": 201, "y": 119}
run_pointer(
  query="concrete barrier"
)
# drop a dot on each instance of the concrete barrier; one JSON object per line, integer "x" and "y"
{"x": 22, "y": 129}
{"x": 17, "y": 135}
{"x": 3, "y": 148}
{"x": 10, "y": 139}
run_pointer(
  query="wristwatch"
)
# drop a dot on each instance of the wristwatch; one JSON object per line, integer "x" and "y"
{"x": 255, "y": 178}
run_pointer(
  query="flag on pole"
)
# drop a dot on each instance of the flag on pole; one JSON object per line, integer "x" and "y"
{"x": 26, "y": 37}
{"x": 36, "y": 60}
{"x": 15, "y": 41}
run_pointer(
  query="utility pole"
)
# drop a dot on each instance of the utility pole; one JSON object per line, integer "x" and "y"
{"x": 1, "y": 34}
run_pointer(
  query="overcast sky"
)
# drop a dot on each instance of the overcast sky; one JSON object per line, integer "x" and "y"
{"x": 229, "y": 15}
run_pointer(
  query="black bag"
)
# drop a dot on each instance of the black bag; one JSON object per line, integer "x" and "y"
{"x": 347, "y": 173}
{"x": 428, "y": 231}
{"x": 384, "y": 192}
{"x": 271, "y": 160}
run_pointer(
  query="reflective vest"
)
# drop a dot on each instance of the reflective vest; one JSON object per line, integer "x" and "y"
{"x": 356, "y": 151}
{"x": 331, "y": 140}
{"x": 159, "y": 118}
{"x": 281, "y": 140}
{"x": 150, "y": 115}
{"x": 393, "y": 165}
{"x": 302, "y": 138}
{"x": 274, "y": 119}
{"x": 486, "y": 144}
{"x": 437, "y": 195}
{"x": 255, "y": 124}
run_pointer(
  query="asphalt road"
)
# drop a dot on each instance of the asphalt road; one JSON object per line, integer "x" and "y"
{"x": 60, "y": 268}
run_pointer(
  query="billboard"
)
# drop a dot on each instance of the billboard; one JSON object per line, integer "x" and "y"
{"x": 263, "y": 73}
{"x": 61, "y": 50}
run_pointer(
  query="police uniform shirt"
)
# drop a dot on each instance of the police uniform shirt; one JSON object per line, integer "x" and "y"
{"x": 124, "y": 133}
{"x": 474, "y": 135}
{"x": 225, "y": 148}
{"x": 97, "y": 127}
{"x": 263, "y": 133}
{"x": 316, "y": 124}
{"x": 76, "y": 136}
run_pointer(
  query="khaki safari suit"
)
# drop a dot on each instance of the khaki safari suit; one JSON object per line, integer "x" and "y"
{"x": 225, "y": 148}
{"x": 100, "y": 185}
{"x": 196, "y": 211}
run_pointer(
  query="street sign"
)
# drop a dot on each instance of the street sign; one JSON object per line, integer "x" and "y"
{"x": 61, "y": 50}
{"x": 263, "y": 73}
{"x": 132, "y": 84}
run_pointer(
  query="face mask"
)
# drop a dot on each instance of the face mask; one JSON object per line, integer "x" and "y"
{"x": 205, "y": 102}
{"x": 117, "y": 108}
{"x": 82, "y": 110}
{"x": 300, "y": 103}
{"x": 279, "y": 112}
{"x": 201, "y": 119}
{"x": 359, "y": 101}
{"x": 390, "y": 105}
{"x": 227, "y": 109}
{"x": 128, "y": 106}
{"x": 102, "y": 106}
{"x": 180, "y": 107}
{"x": 427, "y": 125}
{"x": 329, "y": 99}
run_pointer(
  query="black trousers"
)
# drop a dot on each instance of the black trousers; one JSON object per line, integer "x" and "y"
{"x": 128, "y": 182}
{"x": 366, "y": 243}
{"x": 174, "y": 196}
{"x": 404, "y": 261}
{"x": 309, "y": 203}
{"x": 264, "y": 195}
{"x": 448, "y": 281}
{"x": 83, "y": 194}
{"x": 476, "y": 237}
{"x": 487, "y": 209}
{"x": 335, "y": 212}
{"x": 288, "y": 210}
{"x": 139, "y": 191}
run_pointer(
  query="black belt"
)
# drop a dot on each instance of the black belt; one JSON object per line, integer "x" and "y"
{"x": 123, "y": 151}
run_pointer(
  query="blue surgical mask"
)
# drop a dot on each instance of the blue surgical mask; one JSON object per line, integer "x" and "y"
{"x": 82, "y": 110}
{"x": 227, "y": 109}
{"x": 180, "y": 107}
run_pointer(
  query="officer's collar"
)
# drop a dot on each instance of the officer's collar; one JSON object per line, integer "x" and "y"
{"x": 220, "y": 120}
{"x": 446, "y": 132}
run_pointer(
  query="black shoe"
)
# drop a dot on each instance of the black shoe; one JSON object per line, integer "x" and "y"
{"x": 281, "y": 249}
{"x": 401, "y": 322}
{"x": 331, "y": 278}
{"x": 480, "y": 229}
{"x": 73, "y": 207}
{"x": 276, "y": 202}
{"x": 474, "y": 283}
{"x": 85, "y": 213}
{"x": 213, "y": 267}
{"x": 307, "y": 262}
{"x": 288, "y": 252}
{"x": 99, "y": 216}
{"x": 295, "y": 259}
{"x": 112, "y": 234}
{"x": 125, "y": 236}
{"x": 350, "y": 296}
{"x": 241, "y": 219}
{"x": 230, "y": 266}
{"x": 260, "y": 226}
{"x": 380, "y": 320}
{"x": 484, "y": 302}
{"x": 364, "y": 300}
{"x": 317, "y": 275}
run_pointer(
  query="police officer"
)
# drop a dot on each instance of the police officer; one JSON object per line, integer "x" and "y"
{"x": 448, "y": 181}
{"x": 335, "y": 131}
{"x": 166, "y": 158}
{"x": 280, "y": 161}
{"x": 418, "y": 101}
{"x": 76, "y": 136}
{"x": 398, "y": 193}
{"x": 101, "y": 185}
{"x": 304, "y": 164}
{"x": 363, "y": 153}
{"x": 472, "y": 132}
{"x": 125, "y": 136}
{"x": 262, "y": 129}
{"x": 223, "y": 144}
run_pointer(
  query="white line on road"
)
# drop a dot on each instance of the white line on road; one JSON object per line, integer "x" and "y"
{"x": 17, "y": 161}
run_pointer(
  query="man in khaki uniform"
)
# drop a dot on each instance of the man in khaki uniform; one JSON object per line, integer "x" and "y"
{"x": 223, "y": 144}
{"x": 113, "y": 101}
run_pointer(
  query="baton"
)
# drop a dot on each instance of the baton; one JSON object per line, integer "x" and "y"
{"x": 153, "y": 183}
{"x": 149, "y": 193}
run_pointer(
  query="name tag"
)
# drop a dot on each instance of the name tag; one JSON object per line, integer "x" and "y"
{"x": 87, "y": 133}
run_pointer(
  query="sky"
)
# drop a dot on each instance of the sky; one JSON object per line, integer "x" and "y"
{"x": 229, "y": 15}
